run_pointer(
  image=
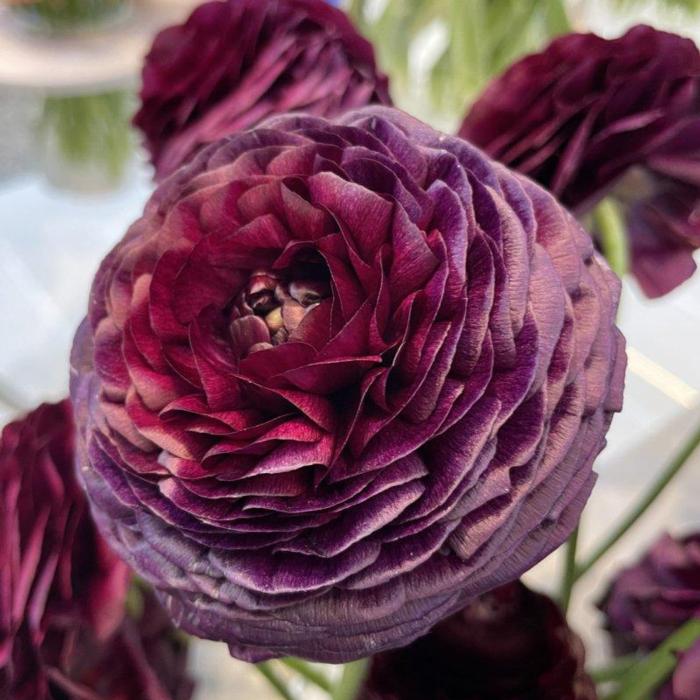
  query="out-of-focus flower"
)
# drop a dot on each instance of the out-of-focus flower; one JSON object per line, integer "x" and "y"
{"x": 508, "y": 644}
{"x": 685, "y": 682}
{"x": 340, "y": 378}
{"x": 63, "y": 634}
{"x": 589, "y": 117}
{"x": 650, "y": 600}
{"x": 233, "y": 63}
{"x": 144, "y": 659}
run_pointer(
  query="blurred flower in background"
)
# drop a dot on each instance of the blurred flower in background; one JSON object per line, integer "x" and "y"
{"x": 64, "y": 632}
{"x": 200, "y": 84}
{"x": 653, "y": 598}
{"x": 589, "y": 117}
{"x": 510, "y": 643}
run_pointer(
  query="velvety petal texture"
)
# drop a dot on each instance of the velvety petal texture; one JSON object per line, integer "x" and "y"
{"x": 233, "y": 63}
{"x": 64, "y": 634}
{"x": 685, "y": 682}
{"x": 508, "y": 644}
{"x": 590, "y": 116}
{"x": 648, "y": 601}
{"x": 341, "y": 377}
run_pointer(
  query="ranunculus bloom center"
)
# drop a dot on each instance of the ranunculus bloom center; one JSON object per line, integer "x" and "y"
{"x": 271, "y": 307}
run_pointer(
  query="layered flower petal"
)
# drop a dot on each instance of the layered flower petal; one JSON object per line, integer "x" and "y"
{"x": 341, "y": 377}
{"x": 590, "y": 117}
{"x": 648, "y": 601}
{"x": 64, "y": 632}
{"x": 235, "y": 62}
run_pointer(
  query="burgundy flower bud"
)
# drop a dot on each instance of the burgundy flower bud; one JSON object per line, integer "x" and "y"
{"x": 63, "y": 633}
{"x": 648, "y": 601}
{"x": 685, "y": 681}
{"x": 508, "y": 644}
{"x": 409, "y": 419}
{"x": 233, "y": 63}
{"x": 590, "y": 116}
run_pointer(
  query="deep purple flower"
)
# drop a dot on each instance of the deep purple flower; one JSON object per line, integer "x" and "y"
{"x": 590, "y": 116}
{"x": 340, "y": 378}
{"x": 508, "y": 644}
{"x": 650, "y": 600}
{"x": 63, "y": 632}
{"x": 685, "y": 681}
{"x": 234, "y": 63}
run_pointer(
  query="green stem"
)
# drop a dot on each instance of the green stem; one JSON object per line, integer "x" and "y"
{"x": 647, "y": 675}
{"x": 656, "y": 488}
{"x": 614, "y": 671}
{"x": 273, "y": 679}
{"x": 311, "y": 674}
{"x": 569, "y": 578}
{"x": 353, "y": 675}
{"x": 610, "y": 227}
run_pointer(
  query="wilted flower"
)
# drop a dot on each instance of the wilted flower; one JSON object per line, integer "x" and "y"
{"x": 63, "y": 634}
{"x": 590, "y": 116}
{"x": 233, "y": 63}
{"x": 685, "y": 681}
{"x": 650, "y": 600}
{"x": 508, "y": 644}
{"x": 340, "y": 378}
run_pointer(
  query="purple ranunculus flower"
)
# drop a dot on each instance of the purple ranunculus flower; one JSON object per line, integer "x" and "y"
{"x": 588, "y": 117}
{"x": 508, "y": 644}
{"x": 341, "y": 377}
{"x": 63, "y": 630}
{"x": 236, "y": 62}
{"x": 684, "y": 684}
{"x": 650, "y": 600}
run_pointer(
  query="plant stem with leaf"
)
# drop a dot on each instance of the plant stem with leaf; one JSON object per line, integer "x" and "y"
{"x": 650, "y": 672}
{"x": 613, "y": 671}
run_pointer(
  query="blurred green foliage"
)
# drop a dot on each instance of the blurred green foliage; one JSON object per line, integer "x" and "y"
{"x": 441, "y": 53}
{"x": 63, "y": 15}
{"x": 91, "y": 130}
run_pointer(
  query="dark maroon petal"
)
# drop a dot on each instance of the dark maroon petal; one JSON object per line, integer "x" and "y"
{"x": 588, "y": 117}
{"x": 235, "y": 62}
{"x": 506, "y": 644}
{"x": 363, "y": 375}
{"x": 64, "y": 630}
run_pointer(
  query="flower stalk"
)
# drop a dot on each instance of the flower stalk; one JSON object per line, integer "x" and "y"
{"x": 350, "y": 682}
{"x": 569, "y": 578}
{"x": 273, "y": 678}
{"x": 664, "y": 479}
{"x": 610, "y": 227}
